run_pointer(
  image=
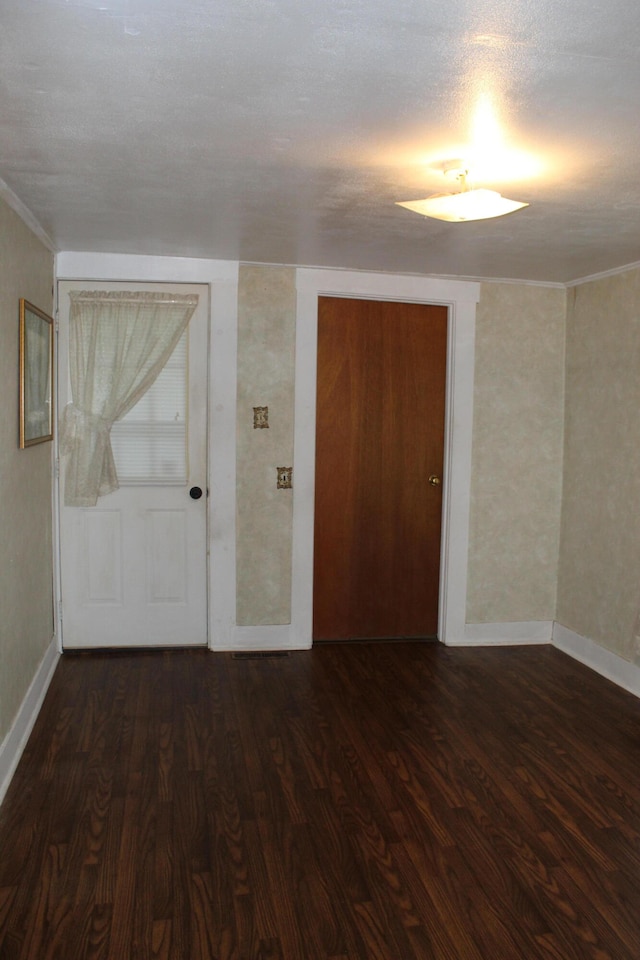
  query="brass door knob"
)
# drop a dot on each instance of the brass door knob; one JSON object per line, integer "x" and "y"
{"x": 434, "y": 480}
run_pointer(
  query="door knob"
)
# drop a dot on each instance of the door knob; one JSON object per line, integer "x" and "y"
{"x": 195, "y": 493}
{"x": 434, "y": 480}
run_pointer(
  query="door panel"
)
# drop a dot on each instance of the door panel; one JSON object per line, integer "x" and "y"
{"x": 379, "y": 437}
{"x": 134, "y": 567}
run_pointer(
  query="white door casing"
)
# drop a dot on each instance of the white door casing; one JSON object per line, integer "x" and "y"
{"x": 134, "y": 567}
{"x": 461, "y": 297}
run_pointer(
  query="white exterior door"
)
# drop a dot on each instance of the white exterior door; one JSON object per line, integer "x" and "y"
{"x": 134, "y": 567}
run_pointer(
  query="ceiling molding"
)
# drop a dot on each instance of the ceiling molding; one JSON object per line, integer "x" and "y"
{"x": 603, "y": 275}
{"x": 422, "y": 276}
{"x": 16, "y": 204}
{"x": 520, "y": 283}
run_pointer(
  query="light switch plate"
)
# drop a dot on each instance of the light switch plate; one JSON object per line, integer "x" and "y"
{"x": 285, "y": 478}
{"x": 261, "y": 418}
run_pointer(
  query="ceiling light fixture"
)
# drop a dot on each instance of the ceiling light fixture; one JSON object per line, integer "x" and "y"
{"x": 467, "y": 204}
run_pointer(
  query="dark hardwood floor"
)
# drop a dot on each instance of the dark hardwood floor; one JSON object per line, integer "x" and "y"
{"x": 356, "y": 802}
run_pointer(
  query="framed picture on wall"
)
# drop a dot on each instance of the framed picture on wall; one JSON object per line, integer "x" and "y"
{"x": 36, "y": 375}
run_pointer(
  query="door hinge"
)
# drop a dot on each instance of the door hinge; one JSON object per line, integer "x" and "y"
{"x": 57, "y": 468}
{"x": 59, "y": 611}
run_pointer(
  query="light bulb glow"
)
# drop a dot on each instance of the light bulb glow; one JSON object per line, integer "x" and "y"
{"x": 488, "y": 155}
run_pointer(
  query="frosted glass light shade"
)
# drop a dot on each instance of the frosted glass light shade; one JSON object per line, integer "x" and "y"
{"x": 468, "y": 205}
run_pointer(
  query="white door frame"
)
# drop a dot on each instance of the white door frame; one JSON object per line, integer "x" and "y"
{"x": 221, "y": 277}
{"x": 460, "y": 297}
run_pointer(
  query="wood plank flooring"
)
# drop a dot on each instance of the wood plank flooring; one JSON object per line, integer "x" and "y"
{"x": 355, "y": 802}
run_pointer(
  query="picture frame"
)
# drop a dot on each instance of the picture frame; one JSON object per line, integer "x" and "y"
{"x": 36, "y": 375}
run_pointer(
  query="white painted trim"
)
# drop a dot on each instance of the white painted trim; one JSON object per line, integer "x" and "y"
{"x": 55, "y": 486}
{"x": 556, "y": 284}
{"x": 13, "y": 200}
{"x": 603, "y": 275}
{"x": 605, "y": 662}
{"x": 223, "y": 379}
{"x": 222, "y": 278}
{"x": 122, "y": 266}
{"x": 421, "y": 276}
{"x": 15, "y": 741}
{"x": 461, "y": 299}
{"x": 498, "y": 634}
{"x": 263, "y": 637}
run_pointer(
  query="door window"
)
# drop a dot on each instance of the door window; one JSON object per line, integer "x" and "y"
{"x": 150, "y": 442}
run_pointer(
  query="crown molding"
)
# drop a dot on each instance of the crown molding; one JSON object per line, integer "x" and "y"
{"x": 16, "y": 204}
{"x": 614, "y": 272}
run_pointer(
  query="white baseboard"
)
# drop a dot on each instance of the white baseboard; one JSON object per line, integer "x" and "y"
{"x": 502, "y": 634}
{"x": 475, "y": 634}
{"x": 16, "y": 740}
{"x": 605, "y": 662}
{"x": 257, "y": 638}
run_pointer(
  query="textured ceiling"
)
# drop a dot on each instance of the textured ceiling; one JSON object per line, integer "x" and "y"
{"x": 283, "y": 131}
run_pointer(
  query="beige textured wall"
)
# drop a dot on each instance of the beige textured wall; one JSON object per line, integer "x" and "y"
{"x": 266, "y": 344}
{"x": 599, "y": 576}
{"x": 26, "y": 605}
{"x": 517, "y": 454}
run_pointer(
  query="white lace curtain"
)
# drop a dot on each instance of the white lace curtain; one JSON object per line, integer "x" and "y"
{"x": 118, "y": 344}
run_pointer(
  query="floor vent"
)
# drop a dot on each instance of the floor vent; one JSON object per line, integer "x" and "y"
{"x": 261, "y": 655}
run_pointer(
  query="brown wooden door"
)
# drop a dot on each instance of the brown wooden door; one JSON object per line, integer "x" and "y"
{"x": 379, "y": 437}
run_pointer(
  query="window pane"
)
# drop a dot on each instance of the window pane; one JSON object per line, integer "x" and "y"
{"x": 150, "y": 442}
